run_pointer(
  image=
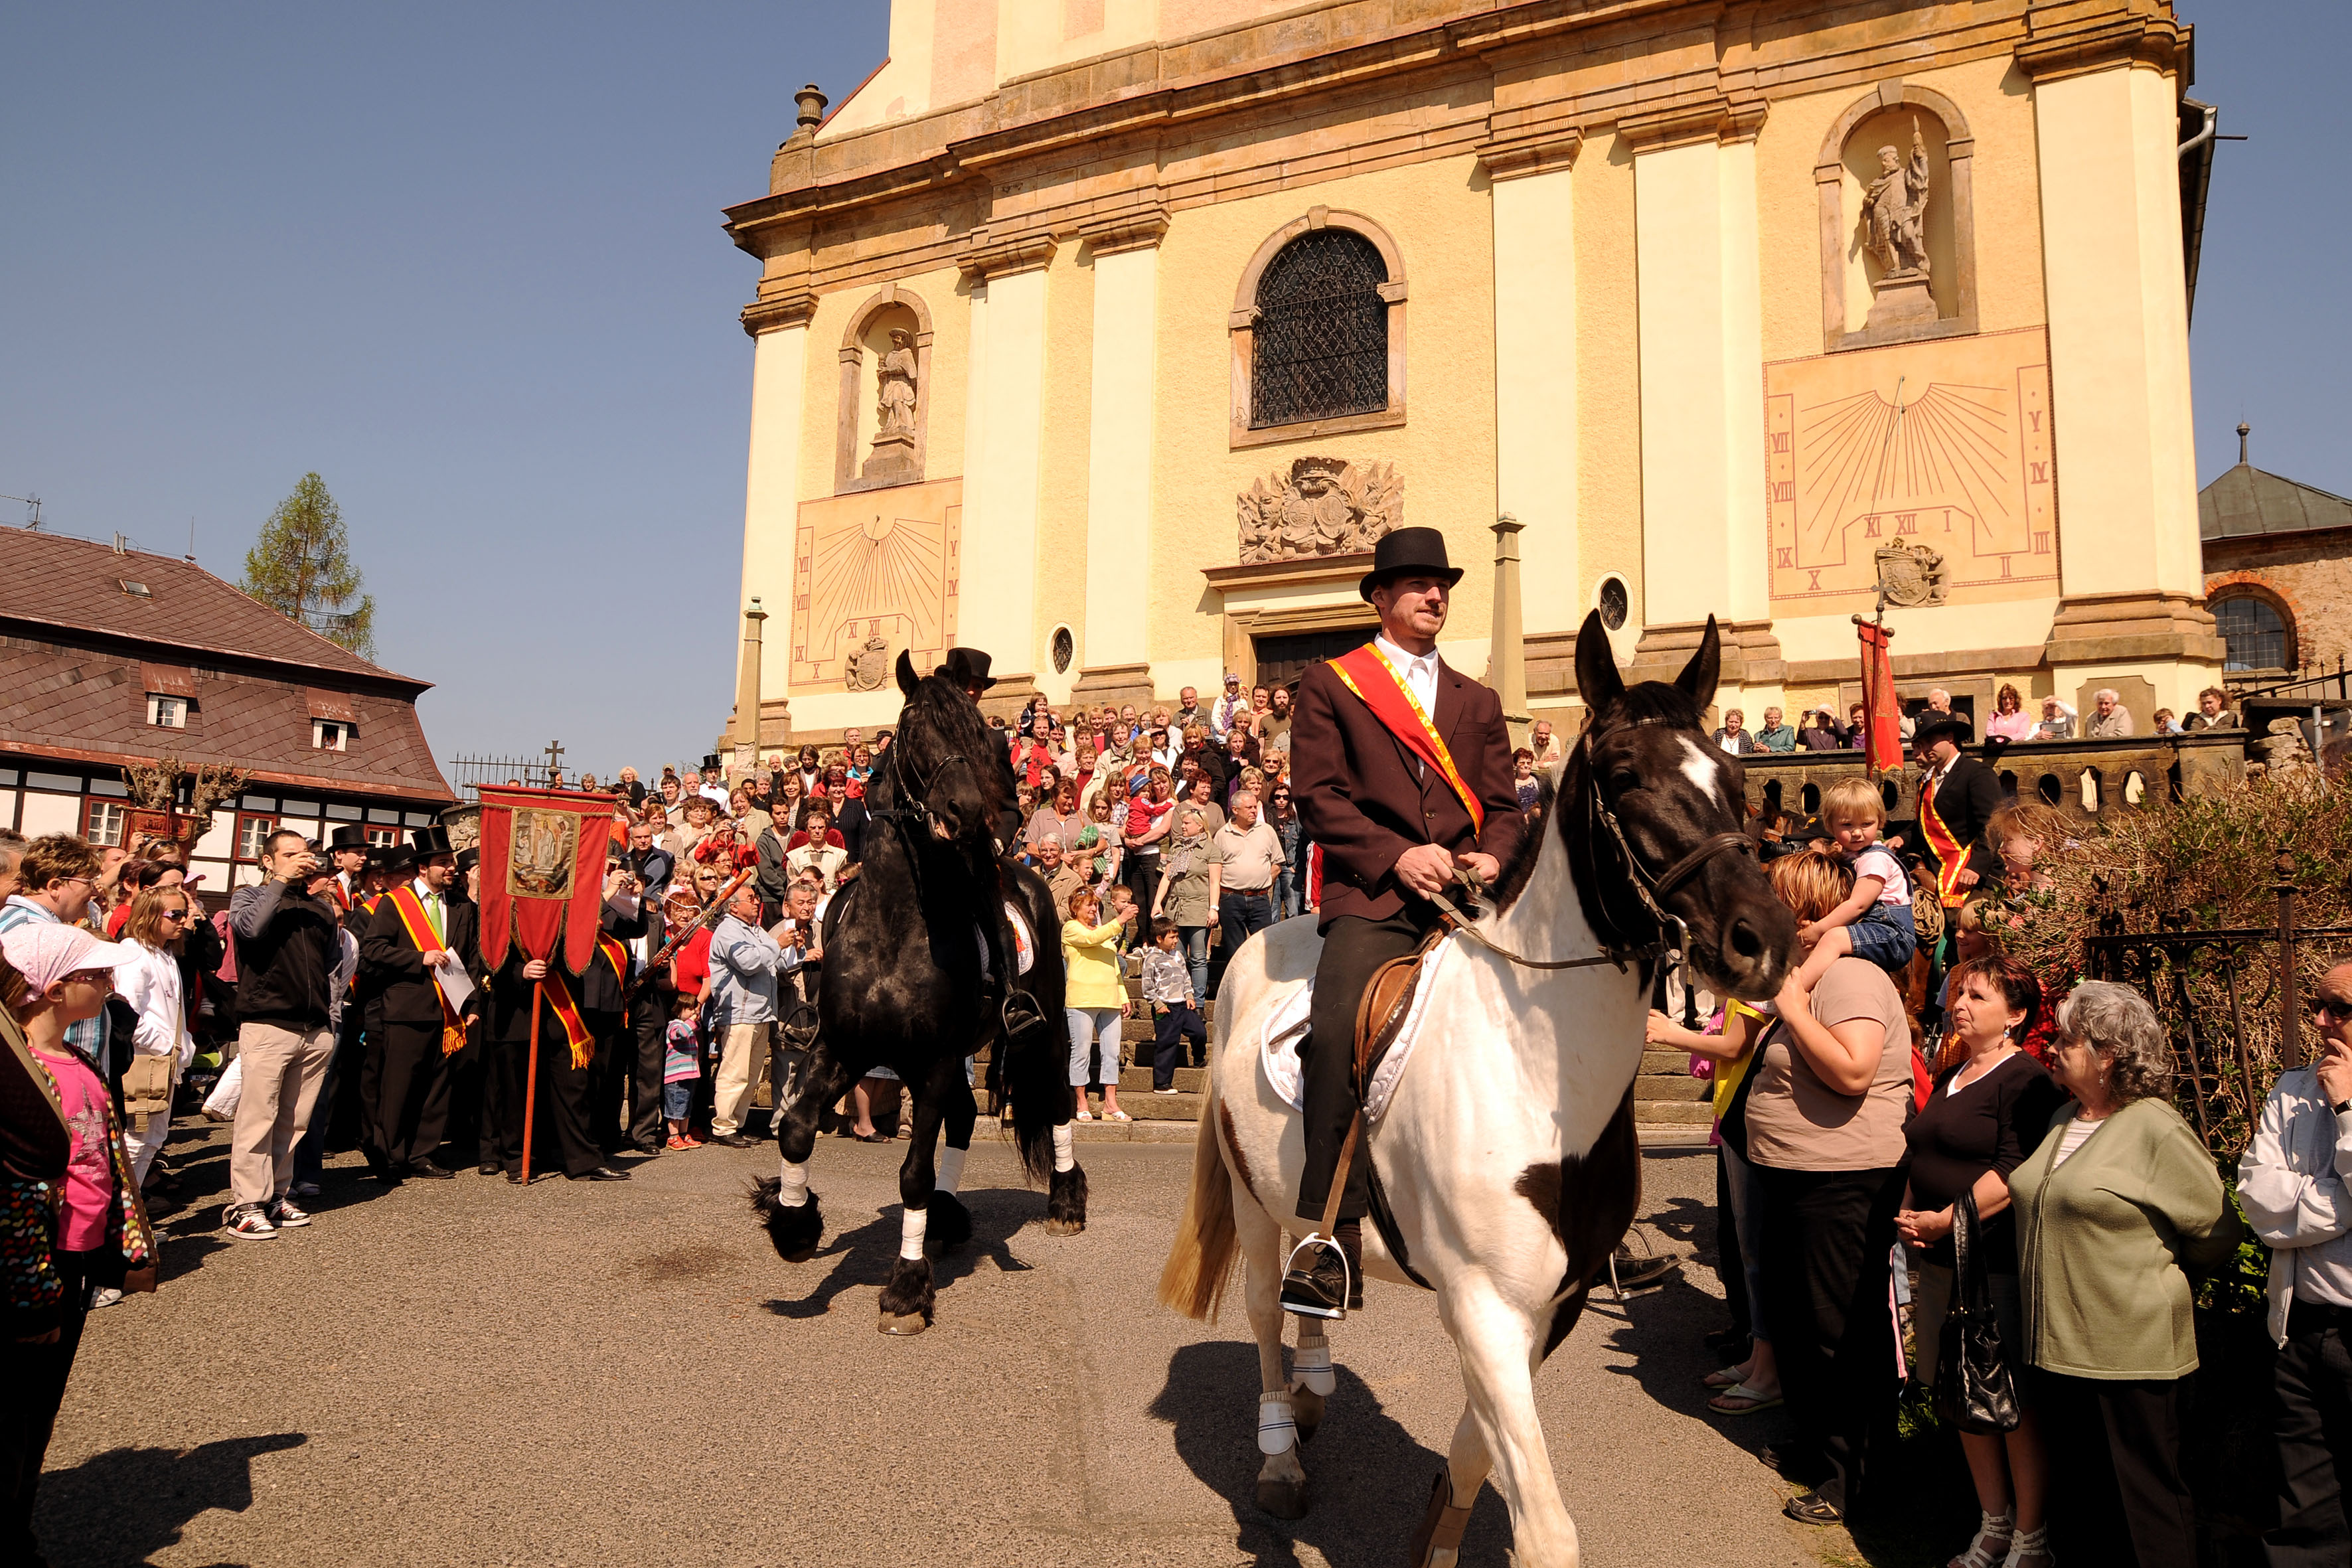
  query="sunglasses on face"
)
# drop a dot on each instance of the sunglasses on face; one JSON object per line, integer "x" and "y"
{"x": 173, "y": 915}
{"x": 2335, "y": 1010}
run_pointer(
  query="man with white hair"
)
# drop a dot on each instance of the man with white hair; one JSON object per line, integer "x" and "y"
{"x": 2113, "y": 720}
{"x": 2293, "y": 1184}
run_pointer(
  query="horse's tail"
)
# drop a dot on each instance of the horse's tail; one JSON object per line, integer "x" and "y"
{"x": 1201, "y": 1261}
{"x": 1033, "y": 1084}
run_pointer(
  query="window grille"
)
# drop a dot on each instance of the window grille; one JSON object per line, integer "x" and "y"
{"x": 1320, "y": 344}
{"x": 2253, "y": 632}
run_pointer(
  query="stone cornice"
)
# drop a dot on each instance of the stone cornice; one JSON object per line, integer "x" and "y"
{"x": 1139, "y": 229}
{"x": 1541, "y": 154}
{"x": 1717, "y": 118}
{"x": 990, "y": 258}
{"x": 792, "y": 310}
{"x": 2075, "y": 48}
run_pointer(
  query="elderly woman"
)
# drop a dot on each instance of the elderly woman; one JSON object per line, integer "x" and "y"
{"x": 1985, "y": 1114}
{"x": 2114, "y": 1209}
{"x": 1096, "y": 1000}
{"x": 1829, "y": 1093}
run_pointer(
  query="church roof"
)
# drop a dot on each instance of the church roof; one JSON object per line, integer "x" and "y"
{"x": 2247, "y": 503}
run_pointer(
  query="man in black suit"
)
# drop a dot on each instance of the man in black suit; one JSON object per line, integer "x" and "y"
{"x": 417, "y": 940}
{"x": 1397, "y": 810}
{"x": 1957, "y": 796}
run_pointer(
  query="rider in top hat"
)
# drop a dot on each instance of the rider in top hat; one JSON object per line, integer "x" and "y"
{"x": 1401, "y": 774}
{"x": 968, "y": 667}
{"x": 418, "y": 930}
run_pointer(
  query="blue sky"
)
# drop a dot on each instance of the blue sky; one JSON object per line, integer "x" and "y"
{"x": 465, "y": 263}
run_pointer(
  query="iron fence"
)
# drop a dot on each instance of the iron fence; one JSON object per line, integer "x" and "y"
{"x": 2231, "y": 1002}
{"x": 467, "y": 774}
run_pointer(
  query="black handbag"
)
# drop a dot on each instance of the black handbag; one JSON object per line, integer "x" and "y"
{"x": 1974, "y": 1389}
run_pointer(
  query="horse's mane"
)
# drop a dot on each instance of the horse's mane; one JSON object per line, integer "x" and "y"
{"x": 938, "y": 712}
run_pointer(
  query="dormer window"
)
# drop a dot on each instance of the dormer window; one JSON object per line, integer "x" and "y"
{"x": 171, "y": 691}
{"x": 330, "y": 735}
{"x": 167, "y": 713}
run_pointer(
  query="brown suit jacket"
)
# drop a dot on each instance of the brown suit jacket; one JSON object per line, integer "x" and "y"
{"x": 1367, "y": 799}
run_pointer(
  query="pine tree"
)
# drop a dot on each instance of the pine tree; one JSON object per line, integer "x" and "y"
{"x": 302, "y": 567}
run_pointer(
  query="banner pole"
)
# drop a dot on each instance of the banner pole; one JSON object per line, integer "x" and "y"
{"x": 530, "y": 1078}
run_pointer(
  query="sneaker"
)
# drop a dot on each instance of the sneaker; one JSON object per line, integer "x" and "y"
{"x": 1163, "y": 1092}
{"x": 286, "y": 1214}
{"x": 1319, "y": 1288}
{"x": 249, "y": 1224}
{"x": 106, "y": 1297}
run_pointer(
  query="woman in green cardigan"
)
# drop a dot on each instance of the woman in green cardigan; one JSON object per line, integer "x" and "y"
{"x": 2117, "y": 1206}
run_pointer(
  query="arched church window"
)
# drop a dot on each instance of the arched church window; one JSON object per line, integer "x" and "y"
{"x": 1322, "y": 350}
{"x": 2257, "y": 635}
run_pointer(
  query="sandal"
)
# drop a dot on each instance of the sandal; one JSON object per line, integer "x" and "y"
{"x": 874, "y": 1138}
{"x": 1990, "y": 1546}
{"x": 677, "y": 1142}
{"x": 1813, "y": 1508}
{"x": 1723, "y": 1377}
{"x": 1754, "y": 1400}
{"x": 1084, "y": 1115}
{"x": 1117, "y": 1116}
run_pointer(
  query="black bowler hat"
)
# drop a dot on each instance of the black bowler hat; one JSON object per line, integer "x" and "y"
{"x": 427, "y": 842}
{"x": 348, "y": 837}
{"x": 968, "y": 667}
{"x": 1926, "y": 733}
{"x": 1401, "y": 550}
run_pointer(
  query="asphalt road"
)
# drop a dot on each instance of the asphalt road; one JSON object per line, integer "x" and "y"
{"x": 465, "y": 1372}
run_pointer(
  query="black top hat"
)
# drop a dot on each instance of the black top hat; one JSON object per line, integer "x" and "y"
{"x": 390, "y": 856}
{"x": 469, "y": 857}
{"x": 1927, "y": 731}
{"x": 349, "y": 836}
{"x": 968, "y": 667}
{"x": 427, "y": 842}
{"x": 710, "y": 761}
{"x": 1409, "y": 550}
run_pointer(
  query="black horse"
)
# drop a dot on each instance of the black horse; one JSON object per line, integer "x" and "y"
{"x": 907, "y": 985}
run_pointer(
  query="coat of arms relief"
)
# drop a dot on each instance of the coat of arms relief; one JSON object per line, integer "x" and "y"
{"x": 1322, "y": 506}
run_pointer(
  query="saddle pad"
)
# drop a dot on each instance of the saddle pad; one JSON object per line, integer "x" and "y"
{"x": 1285, "y": 1036}
{"x": 1024, "y": 941}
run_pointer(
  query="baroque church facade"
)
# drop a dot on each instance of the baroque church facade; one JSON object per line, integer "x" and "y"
{"x": 1106, "y": 335}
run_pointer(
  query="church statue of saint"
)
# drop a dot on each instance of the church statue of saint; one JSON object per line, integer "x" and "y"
{"x": 1894, "y": 211}
{"x": 895, "y": 410}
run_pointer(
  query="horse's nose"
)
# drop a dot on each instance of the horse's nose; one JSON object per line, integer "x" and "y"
{"x": 1747, "y": 957}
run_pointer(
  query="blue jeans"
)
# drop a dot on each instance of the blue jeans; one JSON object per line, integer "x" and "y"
{"x": 1885, "y": 934}
{"x": 677, "y": 1098}
{"x": 1195, "y": 939}
{"x": 1285, "y": 893}
{"x": 1089, "y": 1027}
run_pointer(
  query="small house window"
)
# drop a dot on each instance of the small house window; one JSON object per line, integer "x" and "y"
{"x": 167, "y": 713}
{"x": 382, "y": 837}
{"x": 253, "y": 835}
{"x": 2253, "y": 631}
{"x": 102, "y": 824}
{"x": 1322, "y": 332}
{"x": 330, "y": 735}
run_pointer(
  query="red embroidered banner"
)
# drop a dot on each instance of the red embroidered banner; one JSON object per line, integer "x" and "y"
{"x": 1882, "y": 715}
{"x": 542, "y": 872}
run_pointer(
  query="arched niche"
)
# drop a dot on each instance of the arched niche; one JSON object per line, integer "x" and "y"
{"x": 1842, "y": 173}
{"x": 1240, "y": 326}
{"x": 858, "y": 464}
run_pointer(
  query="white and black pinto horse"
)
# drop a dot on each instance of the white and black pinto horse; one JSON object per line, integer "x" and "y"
{"x": 1507, "y": 1153}
{"x": 903, "y": 987}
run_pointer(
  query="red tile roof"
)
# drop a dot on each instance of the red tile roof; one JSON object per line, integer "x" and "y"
{"x": 77, "y": 653}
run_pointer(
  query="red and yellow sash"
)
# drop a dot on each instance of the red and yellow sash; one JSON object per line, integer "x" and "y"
{"x": 1951, "y": 856}
{"x": 575, "y": 1027}
{"x": 419, "y": 926}
{"x": 1375, "y": 680}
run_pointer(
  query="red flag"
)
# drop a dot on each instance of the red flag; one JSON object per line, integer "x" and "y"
{"x": 1882, "y": 716}
{"x": 543, "y": 872}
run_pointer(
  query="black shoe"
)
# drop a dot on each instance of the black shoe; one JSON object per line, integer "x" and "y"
{"x": 602, "y": 1173}
{"x": 1317, "y": 1284}
{"x": 489, "y": 1168}
{"x": 731, "y": 1140}
{"x": 430, "y": 1172}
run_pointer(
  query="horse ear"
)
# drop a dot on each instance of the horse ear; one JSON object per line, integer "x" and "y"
{"x": 908, "y": 678}
{"x": 1697, "y": 680}
{"x": 1597, "y": 681}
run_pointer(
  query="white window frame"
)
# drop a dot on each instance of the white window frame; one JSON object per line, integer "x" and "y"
{"x": 331, "y": 734}
{"x": 167, "y": 713}
{"x": 103, "y": 822}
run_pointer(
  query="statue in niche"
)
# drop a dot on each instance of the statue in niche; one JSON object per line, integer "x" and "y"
{"x": 1322, "y": 507}
{"x": 1894, "y": 211}
{"x": 896, "y": 412}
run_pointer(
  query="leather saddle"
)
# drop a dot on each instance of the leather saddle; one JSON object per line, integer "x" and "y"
{"x": 1387, "y": 1000}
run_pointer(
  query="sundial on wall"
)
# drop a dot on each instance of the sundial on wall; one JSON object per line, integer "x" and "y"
{"x": 1926, "y": 466}
{"x": 880, "y": 565}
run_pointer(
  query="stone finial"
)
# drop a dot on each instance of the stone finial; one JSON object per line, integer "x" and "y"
{"x": 811, "y": 107}
{"x": 2244, "y": 430}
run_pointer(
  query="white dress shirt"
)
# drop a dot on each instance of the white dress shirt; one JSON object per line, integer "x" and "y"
{"x": 1418, "y": 671}
{"x": 2295, "y": 1185}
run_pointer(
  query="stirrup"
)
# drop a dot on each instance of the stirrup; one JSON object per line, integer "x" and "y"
{"x": 1292, "y": 1271}
{"x": 1020, "y": 1014}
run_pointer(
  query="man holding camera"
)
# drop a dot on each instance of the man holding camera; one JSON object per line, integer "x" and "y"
{"x": 288, "y": 958}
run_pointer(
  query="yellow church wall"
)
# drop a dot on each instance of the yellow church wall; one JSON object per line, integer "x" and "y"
{"x": 1609, "y": 379}
{"x": 1439, "y": 216}
{"x": 1062, "y": 499}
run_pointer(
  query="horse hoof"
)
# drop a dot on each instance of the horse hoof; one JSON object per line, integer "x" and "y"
{"x": 1283, "y": 1498}
{"x": 904, "y": 1327}
{"x": 793, "y": 1232}
{"x": 951, "y": 1222}
{"x": 1306, "y": 1410}
{"x": 1064, "y": 1226}
{"x": 1066, "y": 1201}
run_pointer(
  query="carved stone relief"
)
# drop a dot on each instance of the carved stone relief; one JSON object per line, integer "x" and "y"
{"x": 1897, "y": 220}
{"x": 1894, "y": 233}
{"x": 1910, "y": 575}
{"x": 1322, "y": 506}
{"x": 868, "y": 665}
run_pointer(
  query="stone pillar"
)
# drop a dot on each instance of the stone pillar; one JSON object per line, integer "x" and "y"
{"x": 2129, "y": 561}
{"x": 1702, "y": 354}
{"x": 1507, "y": 669}
{"x": 1535, "y": 397}
{"x": 1113, "y": 651}
{"x": 772, "y": 483}
{"x": 997, "y": 604}
{"x": 747, "y": 692}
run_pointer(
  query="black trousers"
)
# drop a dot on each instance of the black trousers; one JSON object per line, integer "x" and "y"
{"x": 2311, "y": 1413}
{"x": 32, "y": 1386}
{"x": 648, "y": 1019}
{"x": 1827, "y": 1235}
{"x": 2115, "y": 1445}
{"x": 1240, "y": 916}
{"x": 1353, "y": 948}
{"x": 1141, "y": 875}
{"x": 412, "y": 1093}
{"x": 562, "y": 1094}
{"x": 370, "y": 1066}
{"x": 1174, "y": 1025}
{"x": 1728, "y": 1267}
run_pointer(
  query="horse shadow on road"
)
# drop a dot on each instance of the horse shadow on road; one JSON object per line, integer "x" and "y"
{"x": 1368, "y": 1477}
{"x": 863, "y": 1257}
{"x": 126, "y": 1504}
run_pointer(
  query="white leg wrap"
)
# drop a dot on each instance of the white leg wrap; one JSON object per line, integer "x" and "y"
{"x": 949, "y": 1178}
{"x": 1276, "y": 1432}
{"x": 1062, "y": 1158}
{"x": 791, "y": 1188}
{"x": 912, "y": 1226}
{"x": 1311, "y": 1363}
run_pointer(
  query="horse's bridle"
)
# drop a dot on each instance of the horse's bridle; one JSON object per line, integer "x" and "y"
{"x": 917, "y": 803}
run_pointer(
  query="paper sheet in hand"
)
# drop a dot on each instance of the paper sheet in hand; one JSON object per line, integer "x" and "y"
{"x": 455, "y": 985}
